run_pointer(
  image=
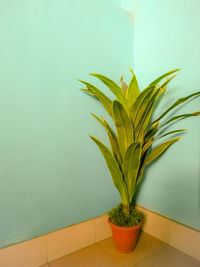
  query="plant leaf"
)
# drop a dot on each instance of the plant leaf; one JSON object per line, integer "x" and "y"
{"x": 114, "y": 88}
{"x": 156, "y": 81}
{"x": 132, "y": 90}
{"x": 178, "y": 102}
{"x": 105, "y": 101}
{"x": 115, "y": 150}
{"x": 114, "y": 169}
{"x": 142, "y": 119}
{"x": 112, "y": 139}
{"x": 124, "y": 127}
{"x": 149, "y": 133}
{"x": 105, "y": 125}
{"x": 137, "y": 109}
{"x": 148, "y": 144}
{"x": 157, "y": 151}
{"x": 173, "y": 132}
{"x": 131, "y": 166}
{"x": 181, "y": 117}
{"x": 141, "y": 169}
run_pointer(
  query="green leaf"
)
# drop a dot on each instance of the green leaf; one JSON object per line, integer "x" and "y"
{"x": 115, "y": 150}
{"x": 102, "y": 99}
{"x": 123, "y": 125}
{"x": 157, "y": 151}
{"x": 137, "y": 108}
{"x": 105, "y": 101}
{"x": 178, "y": 102}
{"x": 112, "y": 139}
{"x": 114, "y": 88}
{"x": 181, "y": 117}
{"x": 148, "y": 144}
{"x": 105, "y": 125}
{"x": 114, "y": 169}
{"x": 155, "y": 82}
{"x": 132, "y": 90}
{"x": 173, "y": 132}
{"x": 140, "y": 175}
{"x": 131, "y": 167}
{"x": 149, "y": 133}
{"x": 141, "y": 169}
{"x": 114, "y": 143}
{"x": 142, "y": 119}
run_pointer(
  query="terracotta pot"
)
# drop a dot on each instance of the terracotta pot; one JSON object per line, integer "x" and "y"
{"x": 125, "y": 237}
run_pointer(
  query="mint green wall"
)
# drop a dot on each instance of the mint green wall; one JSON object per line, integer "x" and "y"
{"x": 51, "y": 173}
{"x": 167, "y": 36}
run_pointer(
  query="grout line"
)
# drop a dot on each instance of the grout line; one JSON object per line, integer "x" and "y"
{"x": 95, "y": 229}
{"x": 71, "y": 253}
{"x": 168, "y": 231}
{"x": 108, "y": 253}
{"x": 148, "y": 257}
{"x": 47, "y": 258}
{"x": 183, "y": 254}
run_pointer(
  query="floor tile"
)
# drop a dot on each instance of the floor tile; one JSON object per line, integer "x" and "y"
{"x": 147, "y": 246}
{"x": 93, "y": 256}
{"x": 168, "y": 257}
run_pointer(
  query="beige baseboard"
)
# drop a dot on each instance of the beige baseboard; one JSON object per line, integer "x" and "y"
{"x": 175, "y": 234}
{"x": 38, "y": 251}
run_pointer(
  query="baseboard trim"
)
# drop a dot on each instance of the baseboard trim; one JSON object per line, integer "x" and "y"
{"x": 46, "y": 248}
{"x": 173, "y": 233}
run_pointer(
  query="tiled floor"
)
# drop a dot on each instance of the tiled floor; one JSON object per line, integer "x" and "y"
{"x": 150, "y": 252}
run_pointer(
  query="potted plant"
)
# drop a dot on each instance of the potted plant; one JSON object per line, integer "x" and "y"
{"x": 131, "y": 146}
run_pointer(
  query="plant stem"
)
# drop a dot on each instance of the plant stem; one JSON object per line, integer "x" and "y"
{"x": 126, "y": 207}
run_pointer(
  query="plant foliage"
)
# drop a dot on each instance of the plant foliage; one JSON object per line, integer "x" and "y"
{"x": 131, "y": 144}
{"x": 120, "y": 217}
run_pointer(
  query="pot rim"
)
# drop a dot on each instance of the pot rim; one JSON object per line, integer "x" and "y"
{"x": 123, "y": 228}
